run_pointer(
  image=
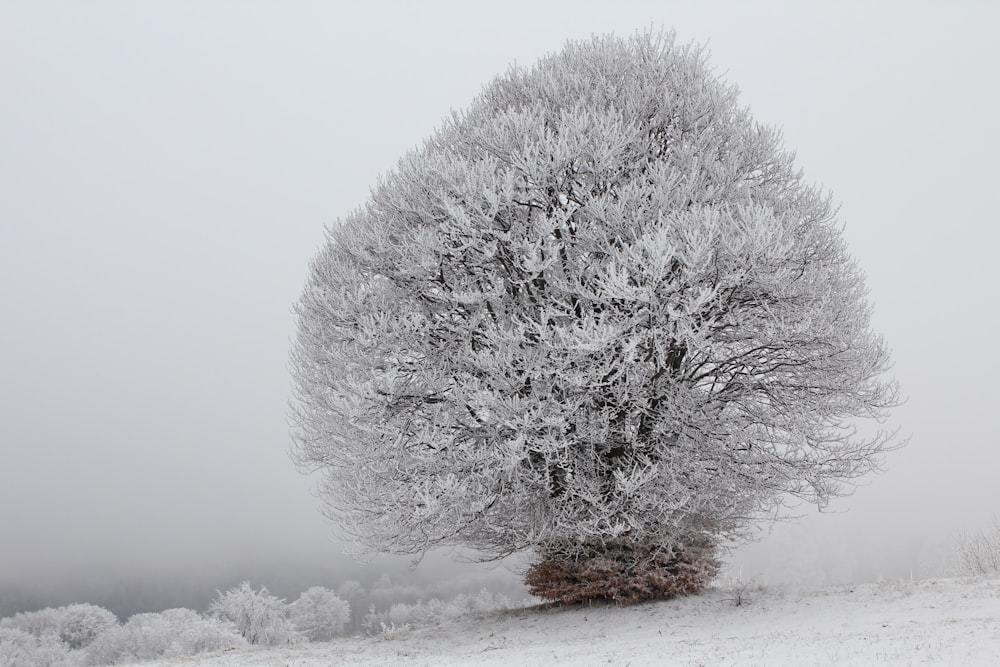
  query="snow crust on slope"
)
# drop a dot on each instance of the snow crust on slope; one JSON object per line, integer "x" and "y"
{"x": 938, "y": 621}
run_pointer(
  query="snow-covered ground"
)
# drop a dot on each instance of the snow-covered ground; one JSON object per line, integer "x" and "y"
{"x": 938, "y": 621}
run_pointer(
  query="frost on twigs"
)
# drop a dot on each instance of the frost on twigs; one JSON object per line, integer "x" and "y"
{"x": 979, "y": 552}
{"x": 600, "y": 307}
{"x": 258, "y": 616}
{"x": 319, "y": 614}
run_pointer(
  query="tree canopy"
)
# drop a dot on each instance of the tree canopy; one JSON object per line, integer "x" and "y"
{"x": 598, "y": 315}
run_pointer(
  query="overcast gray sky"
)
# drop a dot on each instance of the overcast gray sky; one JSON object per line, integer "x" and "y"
{"x": 167, "y": 169}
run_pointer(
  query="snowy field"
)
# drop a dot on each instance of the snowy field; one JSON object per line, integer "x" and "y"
{"x": 938, "y": 621}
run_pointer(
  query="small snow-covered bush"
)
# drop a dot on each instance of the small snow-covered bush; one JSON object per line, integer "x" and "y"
{"x": 421, "y": 614}
{"x": 738, "y": 588}
{"x": 259, "y": 617}
{"x": 15, "y": 646}
{"x": 426, "y": 613}
{"x": 979, "y": 553}
{"x": 76, "y": 625}
{"x": 319, "y": 614}
{"x": 82, "y": 623}
{"x": 19, "y": 648}
{"x": 483, "y": 601}
{"x": 169, "y": 634}
{"x": 38, "y": 623}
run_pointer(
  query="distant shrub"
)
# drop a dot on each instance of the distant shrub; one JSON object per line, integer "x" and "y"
{"x": 83, "y": 623}
{"x": 979, "y": 553}
{"x": 384, "y": 594}
{"x": 427, "y": 613}
{"x": 421, "y": 614}
{"x": 259, "y": 617}
{"x": 169, "y": 634}
{"x": 483, "y": 601}
{"x": 76, "y": 625}
{"x": 357, "y": 597}
{"x": 38, "y": 623}
{"x": 19, "y": 648}
{"x": 319, "y": 614}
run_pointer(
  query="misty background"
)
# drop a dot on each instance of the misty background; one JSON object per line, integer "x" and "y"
{"x": 166, "y": 173}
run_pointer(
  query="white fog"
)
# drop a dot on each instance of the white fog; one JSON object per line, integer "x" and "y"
{"x": 167, "y": 171}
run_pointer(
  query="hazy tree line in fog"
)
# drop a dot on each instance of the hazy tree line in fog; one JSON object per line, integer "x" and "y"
{"x": 87, "y": 634}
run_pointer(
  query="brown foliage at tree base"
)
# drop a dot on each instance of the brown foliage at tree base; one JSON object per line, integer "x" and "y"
{"x": 623, "y": 573}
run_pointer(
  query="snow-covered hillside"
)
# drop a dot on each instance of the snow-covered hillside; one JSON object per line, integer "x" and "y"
{"x": 940, "y": 621}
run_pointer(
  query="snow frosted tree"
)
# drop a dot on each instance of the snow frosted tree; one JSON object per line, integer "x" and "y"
{"x": 258, "y": 616}
{"x": 171, "y": 633}
{"x": 598, "y": 316}
{"x": 82, "y": 623}
{"x": 75, "y": 625}
{"x": 319, "y": 614}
